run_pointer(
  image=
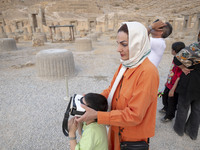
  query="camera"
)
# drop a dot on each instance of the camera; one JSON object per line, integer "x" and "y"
{"x": 74, "y": 109}
{"x": 75, "y": 105}
{"x": 156, "y": 20}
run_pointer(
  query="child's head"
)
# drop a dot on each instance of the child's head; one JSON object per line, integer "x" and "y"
{"x": 96, "y": 101}
{"x": 176, "y": 47}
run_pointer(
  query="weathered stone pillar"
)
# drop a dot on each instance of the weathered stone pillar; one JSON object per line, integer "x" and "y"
{"x": 58, "y": 35}
{"x": 2, "y": 33}
{"x": 169, "y": 42}
{"x": 39, "y": 38}
{"x": 115, "y": 23}
{"x": 55, "y": 63}
{"x": 7, "y": 44}
{"x": 25, "y": 35}
{"x": 8, "y": 29}
{"x": 83, "y": 44}
{"x": 197, "y": 23}
{"x": 93, "y": 36}
{"x": 106, "y": 23}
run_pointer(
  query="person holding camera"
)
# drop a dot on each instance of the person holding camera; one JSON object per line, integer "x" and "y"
{"x": 159, "y": 31}
{"x": 132, "y": 94}
{"x": 93, "y": 135}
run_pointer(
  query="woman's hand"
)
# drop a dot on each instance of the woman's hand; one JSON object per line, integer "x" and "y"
{"x": 89, "y": 115}
{"x": 186, "y": 70}
{"x": 72, "y": 126}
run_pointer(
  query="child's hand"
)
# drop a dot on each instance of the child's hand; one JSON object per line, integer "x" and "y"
{"x": 80, "y": 126}
{"x": 171, "y": 93}
{"x": 72, "y": 126}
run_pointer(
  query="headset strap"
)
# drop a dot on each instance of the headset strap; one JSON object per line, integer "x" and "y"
{"x": 65, "y": 120}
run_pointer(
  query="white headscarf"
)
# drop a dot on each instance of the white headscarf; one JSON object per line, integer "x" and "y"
{"x": 139, "y": 45}
{"x": 139, "y": 49}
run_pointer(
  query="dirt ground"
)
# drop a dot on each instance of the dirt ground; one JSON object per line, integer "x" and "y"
{"x": 32, "y": 108}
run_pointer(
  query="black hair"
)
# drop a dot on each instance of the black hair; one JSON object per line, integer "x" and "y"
{"x": 123, "y": 28}
{"x": 198, "y": 38}
{"x": 96, "y": 101}
{"x": 177, "y": 46}
{"x": 167, "y": 30}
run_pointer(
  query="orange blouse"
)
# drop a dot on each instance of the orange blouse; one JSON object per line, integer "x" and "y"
{"x": 134, "y": 104}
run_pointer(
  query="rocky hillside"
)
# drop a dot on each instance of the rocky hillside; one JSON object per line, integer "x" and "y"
{"x": 19, "y": 9}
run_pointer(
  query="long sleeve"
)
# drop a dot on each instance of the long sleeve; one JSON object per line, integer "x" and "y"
{"x": 134, "y": 102}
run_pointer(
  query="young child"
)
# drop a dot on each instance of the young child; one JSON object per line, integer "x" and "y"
{"x": 94, "y": 135}
{"x": 170, "y": 96}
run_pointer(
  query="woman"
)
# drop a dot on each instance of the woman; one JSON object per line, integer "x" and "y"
{"x": 133, "y": 90}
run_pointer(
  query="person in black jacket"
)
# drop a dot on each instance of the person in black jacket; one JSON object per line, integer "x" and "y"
{"x": 189, "y": 96}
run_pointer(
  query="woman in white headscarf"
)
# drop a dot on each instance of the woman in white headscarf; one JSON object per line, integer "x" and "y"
{"x": 132, "y": 94}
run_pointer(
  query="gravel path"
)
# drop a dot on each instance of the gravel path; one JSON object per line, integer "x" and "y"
{"x": 32, "y": 108}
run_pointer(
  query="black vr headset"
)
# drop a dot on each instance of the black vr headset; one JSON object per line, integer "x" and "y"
{"x": 74, "y": 109}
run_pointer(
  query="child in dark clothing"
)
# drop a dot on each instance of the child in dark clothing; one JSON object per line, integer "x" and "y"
{"x": 170, "y": 96}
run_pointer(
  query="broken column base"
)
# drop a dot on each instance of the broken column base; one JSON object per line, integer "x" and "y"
{"x": 83, "y": 44}
{"x": 39, "y": 39}
{"x": 7, "y": 44}
{"x": 55, "y": 63}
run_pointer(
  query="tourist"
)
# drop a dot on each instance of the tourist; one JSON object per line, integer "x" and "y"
{"x": 132, "y": 94}
{"x": 159, "y": 31}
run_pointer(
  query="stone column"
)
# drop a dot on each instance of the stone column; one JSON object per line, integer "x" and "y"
{"x": 58, "y": 36}
{"x": 83, "y": 44}
{"x": 39, "y": 38}
{"x": 115, "y": 23}
{"x": 197, "y": 22}
{"x": 55, "y": 63}
{"x": 2, "y": 33}
{"x": 106, "y": 23}
{"x": 7, "y": 44}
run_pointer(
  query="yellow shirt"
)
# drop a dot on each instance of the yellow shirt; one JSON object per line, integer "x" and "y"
{"x": 94, "y": 137}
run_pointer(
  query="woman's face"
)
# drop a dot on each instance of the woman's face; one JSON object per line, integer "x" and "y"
{"x": 122, "y": 41}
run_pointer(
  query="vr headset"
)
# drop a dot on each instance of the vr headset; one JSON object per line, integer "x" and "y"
{"x": 74, "y": 109}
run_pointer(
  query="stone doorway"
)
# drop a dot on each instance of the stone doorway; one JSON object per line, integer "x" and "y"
{"x": 92, "y": 25}
{"x": 34, "y": 20}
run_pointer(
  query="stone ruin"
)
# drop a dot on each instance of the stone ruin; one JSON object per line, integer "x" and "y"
{"x": 85, "y": 16}
{"x": 2, "y": 33}
{"x": 7, "y": 44}
{"x": 39, "y": 38}
{"x": 89, "y": 19}
{"x": 55, "y": 63}
{"x": 83, "y": 44}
